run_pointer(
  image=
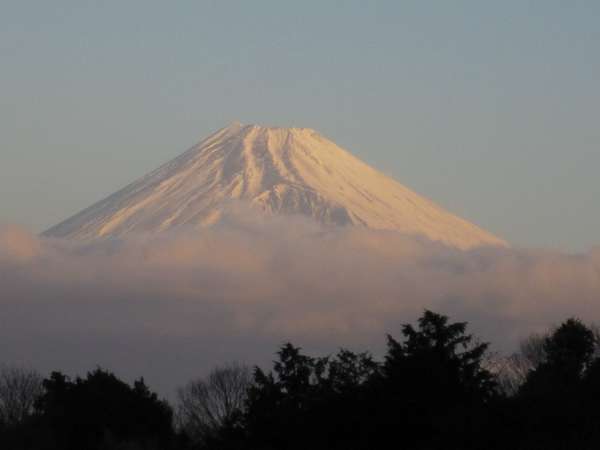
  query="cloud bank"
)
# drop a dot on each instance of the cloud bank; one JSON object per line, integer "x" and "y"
{"x": 173, "y": 306}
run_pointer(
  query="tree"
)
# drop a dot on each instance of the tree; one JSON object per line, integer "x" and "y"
{"x": 510, "y": 372}
{"x": 567, "y": 353}
{"x": 101, "y": 410}
{"x": 570, "y": 348}
{"x": 532, "y": 349}
{"x": 349, "y": 371}
{"x": 309, "y": 402}
{"x": 279, "y": 402}
{"x": 440, "y": 356}
{"x": 434, "y": 386}
{"x": 19, "y": 389}
{"x": 557, "y": 393}
{"x": 208, "y": 404}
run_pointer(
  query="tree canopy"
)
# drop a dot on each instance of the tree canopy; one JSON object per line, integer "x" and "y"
{"x": 436, "y": 387}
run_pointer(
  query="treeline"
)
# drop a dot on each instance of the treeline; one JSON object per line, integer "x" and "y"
{"x": 437, "y": 387}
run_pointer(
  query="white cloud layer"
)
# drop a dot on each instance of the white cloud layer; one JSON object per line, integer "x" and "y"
{"x": 171, "y": 307}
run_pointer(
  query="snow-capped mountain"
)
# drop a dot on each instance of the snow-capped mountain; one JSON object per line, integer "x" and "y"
{"x": 277, "y": 171}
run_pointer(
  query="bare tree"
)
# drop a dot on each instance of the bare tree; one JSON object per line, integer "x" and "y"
{"x": 19, "y": 389}
{"x": 596, "y": 330}
{"x": 510, "y": 372}
{"x": 533, "y": 348}
{"x": 207, "y": 404}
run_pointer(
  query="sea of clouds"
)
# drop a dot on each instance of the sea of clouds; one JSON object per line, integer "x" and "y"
{"x": 173, "y": 306}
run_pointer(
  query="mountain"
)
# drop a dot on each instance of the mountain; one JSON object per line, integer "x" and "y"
{"x": 278, "y": 171}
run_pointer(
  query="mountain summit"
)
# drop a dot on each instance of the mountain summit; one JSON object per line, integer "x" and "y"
{"x": 278, "y": 171}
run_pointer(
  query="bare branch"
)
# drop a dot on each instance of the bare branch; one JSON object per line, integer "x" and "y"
{"x": 207, "y": 404}
{"x": 19, "y": 389}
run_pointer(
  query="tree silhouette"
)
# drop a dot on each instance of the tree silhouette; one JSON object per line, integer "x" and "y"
{"x": 443, "y": 354}
{"x": 308, "y": 402}
{"x": 552, "y": 407}
{"x": 433, "y": 390}
{"x": 422, "y": 390}
{"x": 100, "y": 409}
{"x": 206, "y": 406}
{"x": 568, "y": 352}
{"x": 19, "y": 389}
{"x": 434, "y": 385}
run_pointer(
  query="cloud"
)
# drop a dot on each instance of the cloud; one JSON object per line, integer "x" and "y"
{"x": 171, "y": 307}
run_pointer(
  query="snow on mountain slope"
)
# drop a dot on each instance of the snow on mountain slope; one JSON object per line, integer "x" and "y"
{"x": 278, "y": 171}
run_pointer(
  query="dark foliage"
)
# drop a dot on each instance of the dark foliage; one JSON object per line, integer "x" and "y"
{"x": 430, "y": 388}
{"x": 434, "y": 386}
{"x": 557, "y": 405}
{"x": 96, "y": 412}
{"x": 433, "y": 390}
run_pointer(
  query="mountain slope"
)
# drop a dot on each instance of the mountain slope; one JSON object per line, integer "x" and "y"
{"x": 278, "y": 171}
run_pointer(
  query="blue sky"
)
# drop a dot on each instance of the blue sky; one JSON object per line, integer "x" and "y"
{"x": 489, "y": 108}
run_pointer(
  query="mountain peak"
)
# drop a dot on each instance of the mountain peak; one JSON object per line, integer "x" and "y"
{"x": 277, "y": 170}
{"x": 237, "y": 126}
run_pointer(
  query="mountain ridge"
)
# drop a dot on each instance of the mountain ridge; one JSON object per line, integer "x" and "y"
{"x": 278, "y": 171}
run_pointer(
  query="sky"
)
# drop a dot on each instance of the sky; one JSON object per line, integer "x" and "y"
{"x": 488, "y": 108}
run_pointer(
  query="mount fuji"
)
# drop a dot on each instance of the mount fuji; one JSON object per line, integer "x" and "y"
{"x": 289, "y": 171}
